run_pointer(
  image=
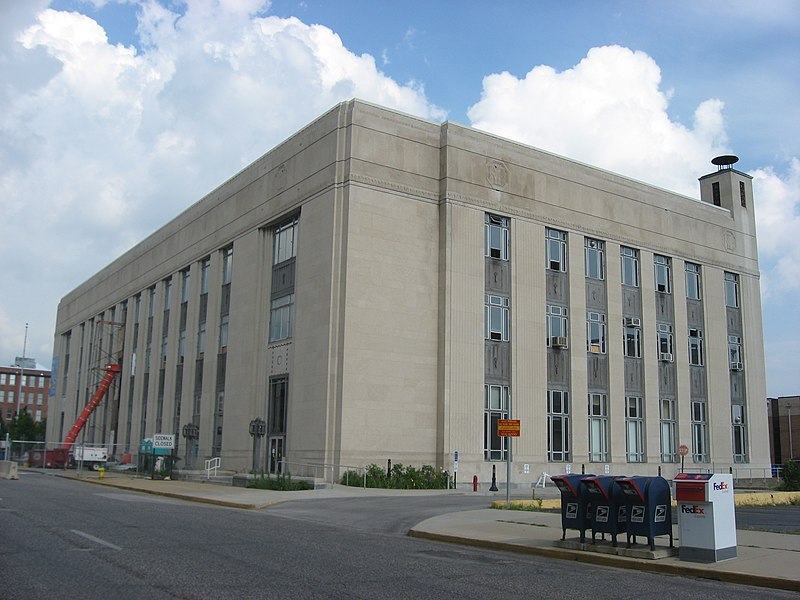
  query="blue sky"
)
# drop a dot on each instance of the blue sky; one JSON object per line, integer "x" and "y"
{"x": 115, "y": 115}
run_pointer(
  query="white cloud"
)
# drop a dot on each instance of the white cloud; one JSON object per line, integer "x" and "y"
{"x": 608, "y": 111}
{"x": 101, "y": 143}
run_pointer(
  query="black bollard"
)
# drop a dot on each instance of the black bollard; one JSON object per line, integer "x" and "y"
{"x": 494, "y": 479}
{"x": 659, "y": 470}
{"x": 389, "y": 468}
{"x": 583, "y": 469}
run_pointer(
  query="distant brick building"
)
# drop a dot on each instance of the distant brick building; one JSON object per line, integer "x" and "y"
{"x": 784, "y": 428}
{"x": 23, "y": 386}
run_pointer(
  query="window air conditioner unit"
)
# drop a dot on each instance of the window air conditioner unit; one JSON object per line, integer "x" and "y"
{"x": 633, "y": 322}
{"x": 559, "y": 341}
{"x": 737, "y": 366}
{"x": 665, "y": 356}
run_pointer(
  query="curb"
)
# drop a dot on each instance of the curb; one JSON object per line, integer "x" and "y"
{"x": 616, "y": 561}
{"x": 179, "y": 496}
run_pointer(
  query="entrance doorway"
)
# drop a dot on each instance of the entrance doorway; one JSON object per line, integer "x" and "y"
{"x": 275, "y": 449}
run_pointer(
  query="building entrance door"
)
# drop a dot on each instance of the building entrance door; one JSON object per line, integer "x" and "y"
{"x": 275, "y": 448}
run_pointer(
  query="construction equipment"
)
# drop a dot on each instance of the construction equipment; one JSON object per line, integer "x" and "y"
{"x": 112, "y": 370}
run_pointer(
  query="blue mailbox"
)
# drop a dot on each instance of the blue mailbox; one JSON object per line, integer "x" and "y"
{"x": 649, "y": 507}
{"x": 575, "y": 504}
{"x": 608, "y": 507}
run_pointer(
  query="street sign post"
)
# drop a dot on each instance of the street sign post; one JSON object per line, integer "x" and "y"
{"x": 683, "y": 450}
{"x": 508, "y": 428}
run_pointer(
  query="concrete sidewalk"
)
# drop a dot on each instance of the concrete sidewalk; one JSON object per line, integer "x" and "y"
{"x": 763, "y": 559}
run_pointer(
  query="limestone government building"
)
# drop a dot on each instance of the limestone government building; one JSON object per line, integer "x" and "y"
{"x": 383, "y": 287}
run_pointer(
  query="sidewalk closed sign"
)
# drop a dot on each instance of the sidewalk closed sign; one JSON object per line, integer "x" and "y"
{"x": 163, "y": 440}
{"x": 508, "y": 427}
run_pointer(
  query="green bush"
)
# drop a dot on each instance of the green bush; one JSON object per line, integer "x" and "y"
{"x": 281, "y": 483}
{"x": 790, "y": 474}
{"x": 402, "y": 478}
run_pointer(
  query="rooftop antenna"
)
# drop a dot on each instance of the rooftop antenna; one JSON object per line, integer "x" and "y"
{"x": 25, "y": 341}
{"x": 726, "y": 161}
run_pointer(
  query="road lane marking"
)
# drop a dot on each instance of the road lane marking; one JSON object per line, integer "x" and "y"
{"x": 95, "y": 539}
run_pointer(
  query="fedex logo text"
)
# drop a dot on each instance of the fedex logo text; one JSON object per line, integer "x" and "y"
{"x": 693, "y": 510}
{"x": 721, "y": 486}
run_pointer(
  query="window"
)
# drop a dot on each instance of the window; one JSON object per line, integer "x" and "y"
{"x": 634, "y": 429}
{"x": 227, "y": 265}
{"x": 715, "y": 195}
{"x": 496, "y": 312}
{"x": 38, "y": 416}
{"x": 10, "y": 396}
{"x": 201, "y": 338}
{"x": 739, "y": 434}
{"x": 598, "y": 427}
{"x": 692, "y": 281}
{"x": 696, "y": 347}
{"x": 2, "y": 395}
{"x": 167, "y": 293}
{"x": 742, "y": 195}
{"x": 496, "y": 407}
{"x": 595, "y": 258}
{"x": 558, "y": 426}
{"x": 735, "y": 352}
{"x": 662, "y": 273}
{"x": 281, "y": 318}
{"x": 596, "y": 333}
{"x": 185, "y": 285}
{"x": 285, "y": 241}
{"x": 668, "y": 416}
{"x": 223, "y": 331}
{"x": 699, "y": 431}
{"x": 556, "y": 324}
{"x": 3, "y": 378}
{"x": 496, "y": 236}
{"x": 633, "y": 341}
{"x": 39, "y": 399}
{"x": 278, "y": 401}
{"x": 630, "y": 266}
{"x": 665, "y": 348}
{"x": 556, "y": 250}
{"x": 205, "y": 267}
{"x": 731, "y": 290}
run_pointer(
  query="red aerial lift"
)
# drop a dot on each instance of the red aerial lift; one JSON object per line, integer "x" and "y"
{"x": 59, "y": 457}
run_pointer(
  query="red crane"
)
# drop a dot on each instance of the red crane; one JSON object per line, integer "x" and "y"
{"x": 112, "y": 370}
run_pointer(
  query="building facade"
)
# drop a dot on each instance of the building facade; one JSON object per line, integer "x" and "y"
{"x": 381, "y": 287}
{"x": 24, "y": 387}
{"x": 784, "y": 429}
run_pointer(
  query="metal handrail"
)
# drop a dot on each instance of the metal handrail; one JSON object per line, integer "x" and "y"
{"x": 212, "y": 464}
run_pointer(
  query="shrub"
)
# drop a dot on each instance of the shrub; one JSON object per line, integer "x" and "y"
{"x": 281, "y": 482}
{"x": 402, "y": 478}
{"x": 790, "y": 475}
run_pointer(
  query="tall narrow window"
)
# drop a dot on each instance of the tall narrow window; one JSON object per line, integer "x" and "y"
{"x": 223, "y": 332}
{"x": 596, "y": 333}
{"x": 556, "y": 250}
{"x": 699, "y": 431}
{"x": 595, "y": 258}
{"x": 715, "y": 194}
{"x": 696, "y": 347}
{"x": 731, "y": 290}
{"x": 285, "y": 241}
{"x": 633, "y": 339}
{"x": 598, "y": 427}
{"x": 281, "y": 318}
{"x": 662, "y": 273}
{"x": 668, "y": 417}
{"x": 739, "y": 434}
{"x": 558, "y": 426}
{"x": 634, "y": 426}
{"x": 227, "y": 265}
{"x": 205, "y": 267}
{"x": 557, "y": 326}
{"x": 735, "y": 353}
{"x": 496, "y": 236}
{"x": 742, "y": 195}
{"x": 630, "y": 266}
{"x": 496, "y": 407}
{"x": 496, "y": 310}
{"x": 692, "y": 281}
{"x": 665, "y": 342}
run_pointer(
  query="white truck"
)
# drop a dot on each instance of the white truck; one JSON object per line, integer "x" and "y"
{"x": 93, "y": 457}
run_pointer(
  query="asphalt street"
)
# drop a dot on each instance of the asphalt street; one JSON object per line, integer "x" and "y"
{"x": 66, "y": 539}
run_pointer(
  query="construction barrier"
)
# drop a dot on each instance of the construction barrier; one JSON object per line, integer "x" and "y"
{"x": 8, "y": 469}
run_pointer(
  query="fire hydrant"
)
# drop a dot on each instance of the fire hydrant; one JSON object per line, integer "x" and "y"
{"x": 102, "y": 472}
{"x": 474, "y": 483}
